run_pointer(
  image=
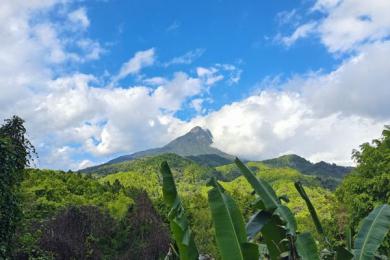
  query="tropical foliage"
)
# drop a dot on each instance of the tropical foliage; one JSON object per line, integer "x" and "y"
{"x": 275, "y": 223}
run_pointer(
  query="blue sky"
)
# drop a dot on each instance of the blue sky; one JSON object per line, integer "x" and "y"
{"x": 98, "y": 79}
{"x": 227, "y": 32}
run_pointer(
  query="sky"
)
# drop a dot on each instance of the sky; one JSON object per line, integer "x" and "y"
{"x": 96, "y": 79}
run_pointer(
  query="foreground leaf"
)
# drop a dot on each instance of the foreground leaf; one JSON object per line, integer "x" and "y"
{"x": 373, "y": 230}
{"x": 310, "y": 206}
{"x": 257, "y": 222}
{"x": 229, "y": 226}
{"x": 177, "y": 218}
{"x": 262, "y": 188}
{"x": 306, "y": 247}
{"x": 343, "y": 254}
{"x": 287, "y": 216}
{"x": 274, "y": 235}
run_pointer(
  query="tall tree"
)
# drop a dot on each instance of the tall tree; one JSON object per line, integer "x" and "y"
{"x": 368, "y": 186}
{"x": 16, "y": 152}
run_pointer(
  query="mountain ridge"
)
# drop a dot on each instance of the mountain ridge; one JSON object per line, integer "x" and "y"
{"x": 306, "y": 167}
{"x": 196, "y": 145}
{"x": 196, "y": 142}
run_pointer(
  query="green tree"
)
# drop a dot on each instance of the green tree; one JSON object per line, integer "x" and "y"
{"x": 369, "y": 184}
{"x": 16, "y": 152}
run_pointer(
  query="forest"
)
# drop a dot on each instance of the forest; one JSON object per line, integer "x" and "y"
{"x": 171, "y": 207}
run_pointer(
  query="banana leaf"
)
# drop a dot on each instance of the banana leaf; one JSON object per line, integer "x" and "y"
{"x": 306, "y": 247}
{"x": 310, "y": 206}
{"x": 177, "y": 218}
{"x": 262, "y": 188}
{"x": 229, "y": 226}
{"x": 257, "y": 222}
{"x": 287, "y": 216}
{"x": 372, "y": 231}
{"x": 274, "y": 235}
{"x": 343, "y": 254}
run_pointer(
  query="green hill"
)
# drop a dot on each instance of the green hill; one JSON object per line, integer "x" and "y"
{"x": 212, "y": 160}
{"x": 304, "y": 166}
{"x": 181, "y": 167}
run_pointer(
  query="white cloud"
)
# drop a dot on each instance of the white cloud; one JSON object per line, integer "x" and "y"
{"x": 287, "y": 17}
{"x": 359, "y": 86}
{"x": 352, "y": 23}
{"x": 197, "y": 104}
{"x": 277, "y": 123}
{"x": 211, "y": 75}
{"x": 319, "y": 116}
{"x": 346, "y": 24}
{"x": 301, "y": 32}
{"x": 79, "y": 17}
{"x": 140, "y": 60}
{"x": 173, "y": 26}
{"x": 155, "y": 81}
{"x": 228, "y": 72}
{"x": 186, "y": 58}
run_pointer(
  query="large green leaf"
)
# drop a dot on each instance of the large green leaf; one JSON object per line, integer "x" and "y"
{"x": 348, "y": 236}
{"x": 229, "y": 226}
{"x": 372, "y": 231}
{"x": 257, "y": 222}
{"x": 287, "y": 216}
{"x": 187, "y": 250}
{"x": 262, "y": 188}
{"x": 343, "y": 254}
{"x": 306, "y": 247}
{"x": 274, "y": 235}
{"x": 169, "y": 187}
{"x": 177, "y": 218}
{"x": 310, "y": 206}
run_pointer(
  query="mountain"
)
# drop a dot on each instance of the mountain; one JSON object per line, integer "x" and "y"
{"x": 195, "y": 145}
{"x": 304, "y": 166}
{"x": 212, "y": 160}
{"x": 180, "y": 166}
{"x": 196, "y": 142}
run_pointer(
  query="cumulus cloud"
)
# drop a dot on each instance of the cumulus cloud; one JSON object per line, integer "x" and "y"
{"x": 358, "y": 87}
{"x": 346, "y": 24}
{"x": 139, "y": 61}
{"x": 276, "y": 123}
{"x": 74, "y": 124}
{"x": 79, "y": 17}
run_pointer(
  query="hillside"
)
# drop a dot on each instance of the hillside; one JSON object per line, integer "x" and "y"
{"x": 181, "y": 167}
{"x": 212, "y": 160}
{"x": 194, "y": 195}
{"x": 306, "y": 167}
{"x": 196, "y": 146}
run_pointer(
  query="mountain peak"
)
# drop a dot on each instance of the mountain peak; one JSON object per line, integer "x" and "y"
{"x": 201, "y": 133}
{"x": 197, "y": 129}
{"x": 196, "y": 137}
{"x": 196, "y": 142}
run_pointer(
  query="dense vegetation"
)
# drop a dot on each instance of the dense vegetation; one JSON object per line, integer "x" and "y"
{"x": 122, "y": 213}
{"x": 273, "y": 225}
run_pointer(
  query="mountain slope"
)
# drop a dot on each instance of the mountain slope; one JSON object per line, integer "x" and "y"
{"x": 196, "y": 142}
{"x": 322, "y": 168}
{"x": 150, "y": 165}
